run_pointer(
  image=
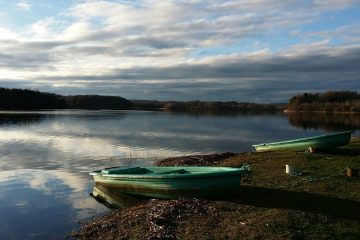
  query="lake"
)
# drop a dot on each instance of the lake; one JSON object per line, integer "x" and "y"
{"x": 46, "y": 155}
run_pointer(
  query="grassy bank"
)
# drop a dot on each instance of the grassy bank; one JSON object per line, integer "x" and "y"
{"x": 320, "y": 203}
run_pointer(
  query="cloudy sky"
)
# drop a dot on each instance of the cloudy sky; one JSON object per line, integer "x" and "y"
{"x": 245, "y": 50}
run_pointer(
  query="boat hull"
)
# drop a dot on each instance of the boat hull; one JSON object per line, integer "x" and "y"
{"x": 174, "y": 186}
{"x": 319, "y": 142}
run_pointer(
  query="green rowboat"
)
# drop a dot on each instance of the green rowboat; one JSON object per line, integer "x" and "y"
{"x": 172, "y": 182}
{"x": 302, "y": 144}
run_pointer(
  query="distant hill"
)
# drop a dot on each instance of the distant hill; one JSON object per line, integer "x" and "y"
{"x": 24, "y": 99}
{"x": 330, "y": 102}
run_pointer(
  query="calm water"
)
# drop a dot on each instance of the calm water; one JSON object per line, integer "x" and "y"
{"x": 45, "y": 157}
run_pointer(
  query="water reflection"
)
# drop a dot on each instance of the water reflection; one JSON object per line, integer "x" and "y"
{"x": 83, "y": 139}
{"x": 26, "y": 149}
{"x": 328, "y": 122}
{"x": 43, "y": 205}
{"x": 112, "y": 198}
{"x": 22, "y": 118}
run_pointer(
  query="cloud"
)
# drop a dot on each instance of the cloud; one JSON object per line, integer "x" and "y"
{"x": 23, "y": 5}
{"x": 145, "y": 46}
{"x": 349, "y": 34}
{"x": 7, "y": 34}
{"x": 269, "y": 76}
{"x": 299, "y": 59}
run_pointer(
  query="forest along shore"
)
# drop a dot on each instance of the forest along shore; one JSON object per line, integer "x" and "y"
{"x": 327, "y": 102}
{"x": 321, "y": 202}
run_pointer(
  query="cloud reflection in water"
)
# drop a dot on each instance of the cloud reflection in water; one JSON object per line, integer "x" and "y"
{"x": 44, "y": 204}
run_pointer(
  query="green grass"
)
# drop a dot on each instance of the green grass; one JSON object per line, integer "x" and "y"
{"x": 323, "y": 173}
{"x": 323, "y": 203}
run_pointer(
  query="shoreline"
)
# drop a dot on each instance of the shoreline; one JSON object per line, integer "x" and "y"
{"x": 318, "y": 204}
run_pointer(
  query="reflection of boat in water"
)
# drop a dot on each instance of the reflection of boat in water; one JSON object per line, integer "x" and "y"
{"x": 318, "y": 142}
{"x": 172, "y": 182}
{"x": 112, "y": 198}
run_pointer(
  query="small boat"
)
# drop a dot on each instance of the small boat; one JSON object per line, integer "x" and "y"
{"x": 172, "y": 182}
{"x": 322, "y": 142}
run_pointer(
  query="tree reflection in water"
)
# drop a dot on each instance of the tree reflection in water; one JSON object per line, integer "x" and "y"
{"x": 19, "y": 118}
{"x": 326, "y": 121}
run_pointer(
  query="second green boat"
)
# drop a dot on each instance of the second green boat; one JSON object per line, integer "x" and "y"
{"x": 322, "y": 142}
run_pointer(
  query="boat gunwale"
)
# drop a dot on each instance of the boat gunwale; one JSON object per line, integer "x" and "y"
{"x": 223, "y": 171}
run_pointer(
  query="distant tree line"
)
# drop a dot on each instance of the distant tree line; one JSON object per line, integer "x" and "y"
{"x": 331, "y": 101}
{"x": 152, "y": 105}
{"x": 28, "y": 99}
{"x": 24, "y": 99}
{"x": 205, "y": 107}
{"x": 97, "y": 102}
{"x": 218, "y": 107}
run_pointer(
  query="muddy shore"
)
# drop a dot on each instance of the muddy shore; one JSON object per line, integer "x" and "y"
{"x": 320, "y": 202}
